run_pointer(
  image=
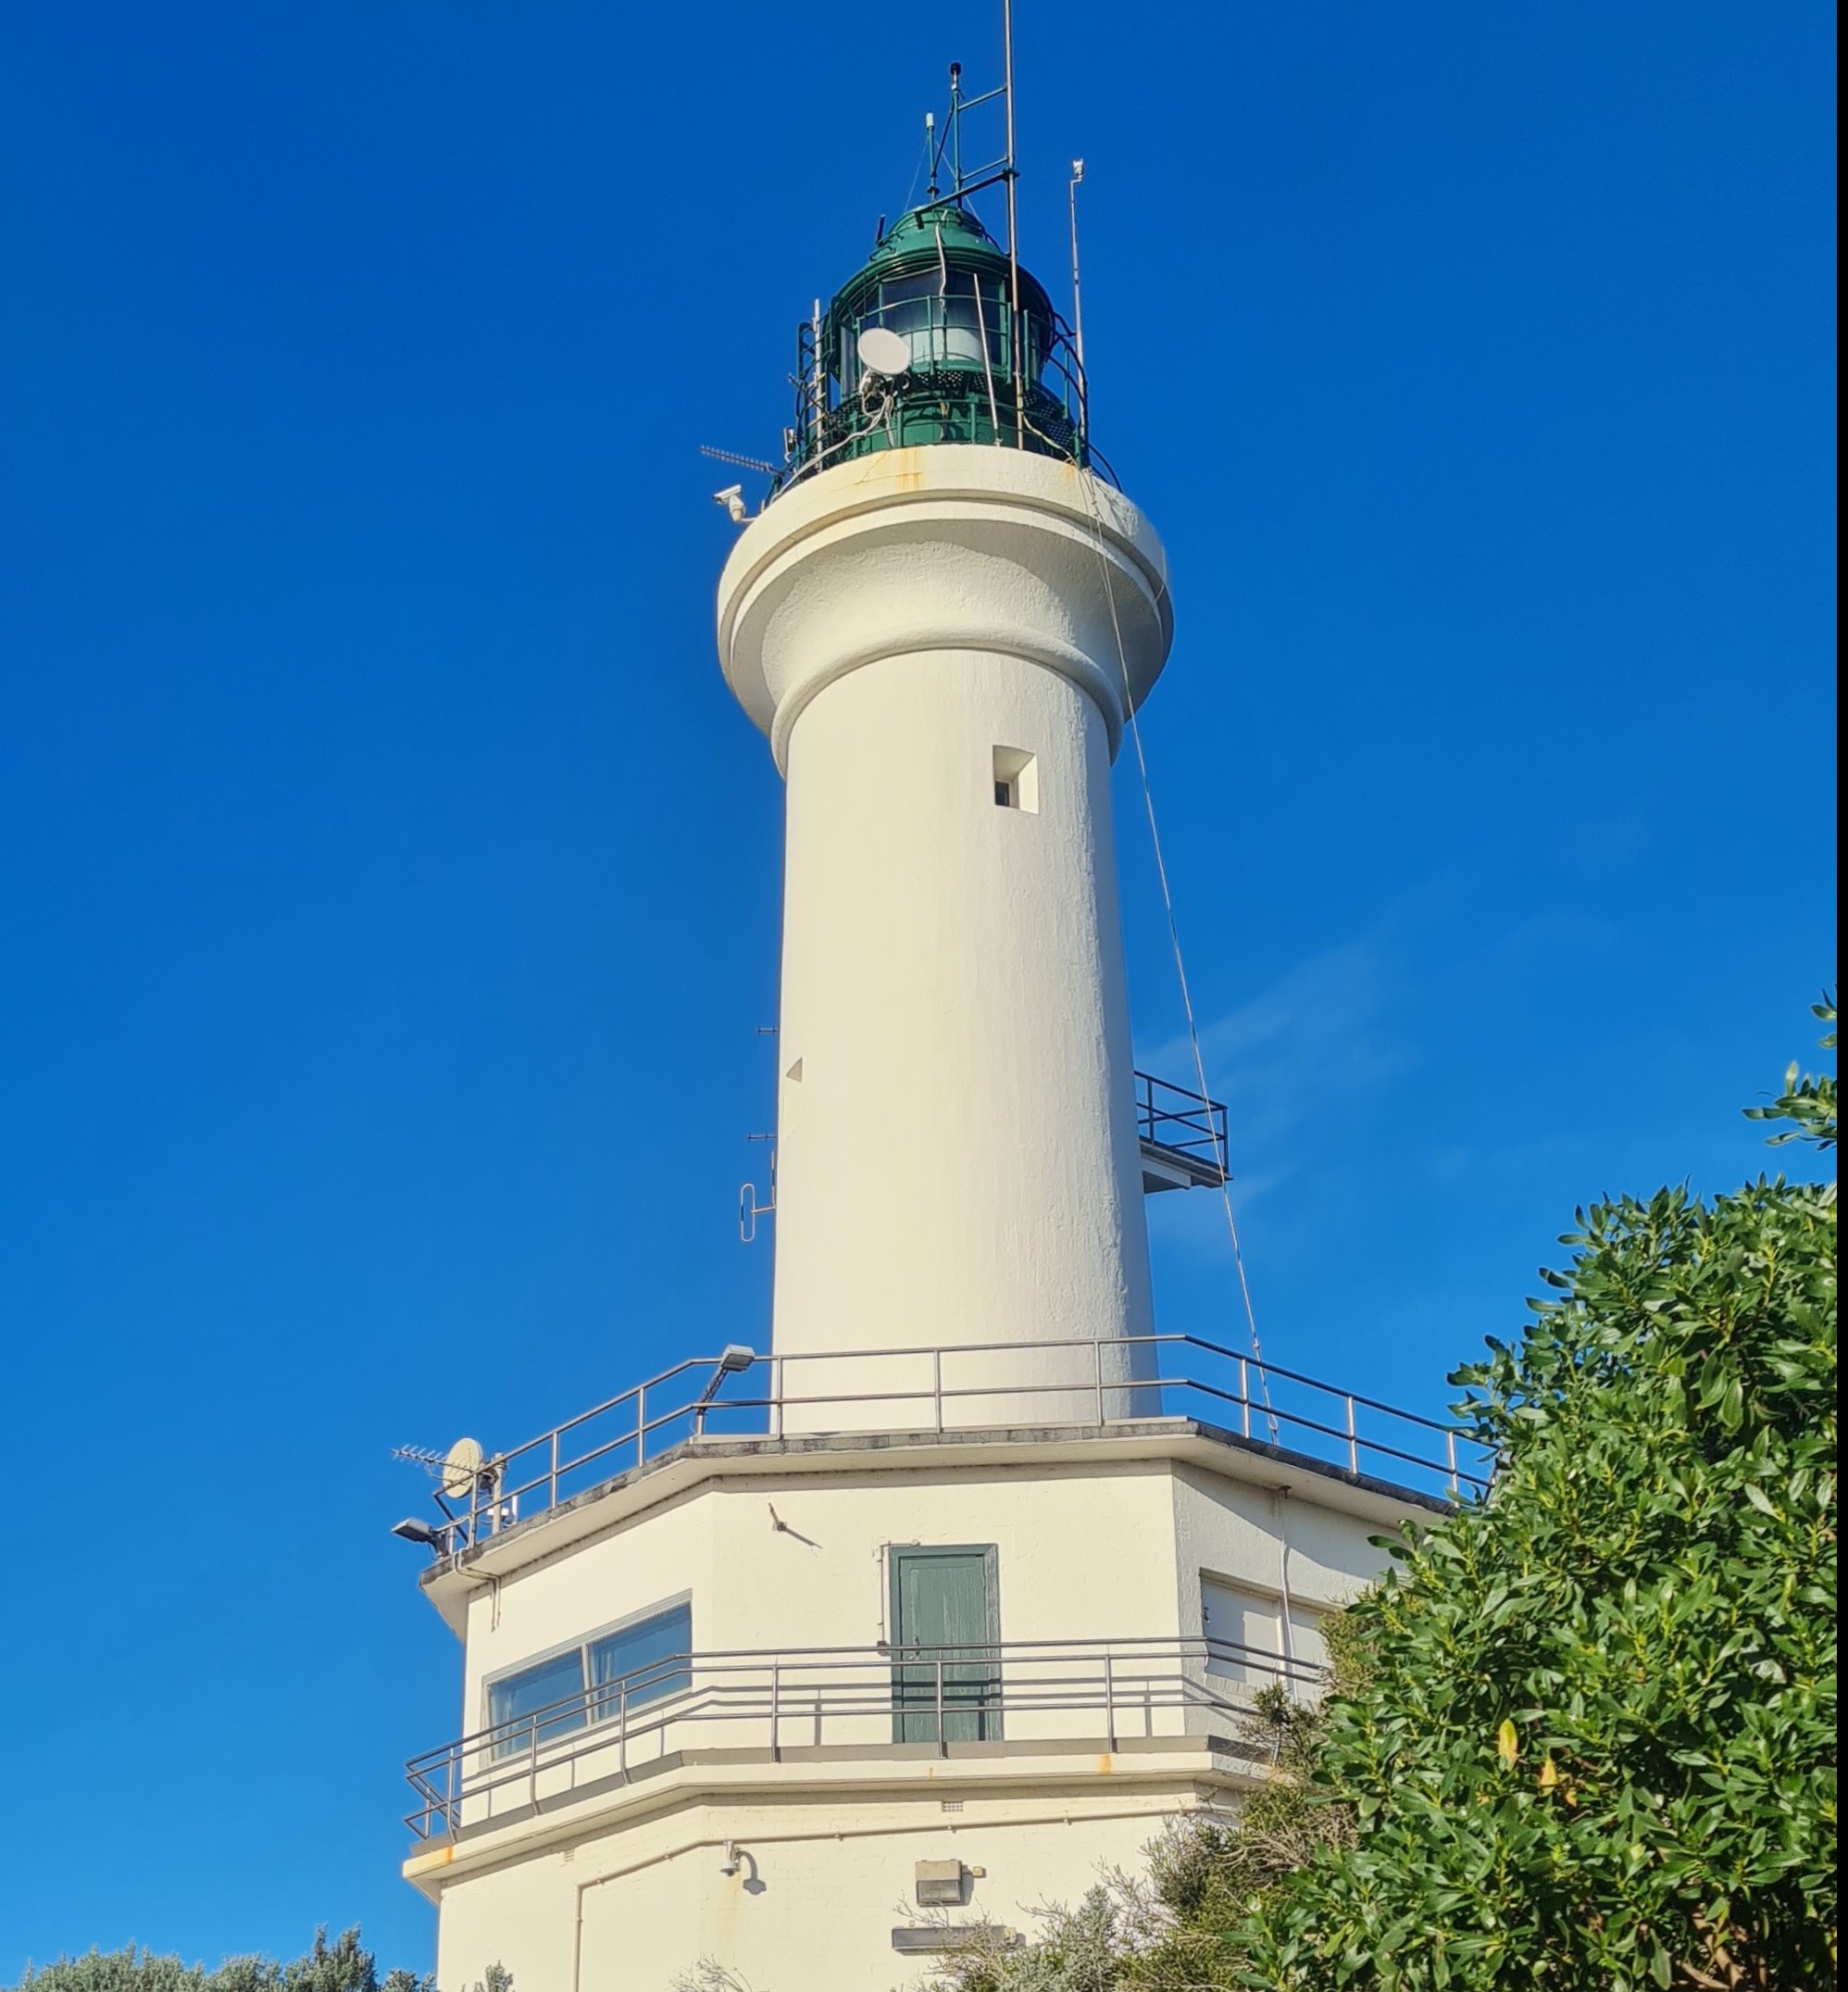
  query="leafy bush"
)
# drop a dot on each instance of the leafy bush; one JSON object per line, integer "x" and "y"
{"x": 1582, "y": 1735}
{"x": 343, "y": 1965}
{"x": 1177, "y": 1928}
{"x": 1598, "y": 1745}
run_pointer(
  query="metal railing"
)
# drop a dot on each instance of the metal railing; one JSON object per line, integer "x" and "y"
{"x": 874, "y": 1699}
{"x": 1169, "y": 1116}
{"x": 1078, "y": 1383}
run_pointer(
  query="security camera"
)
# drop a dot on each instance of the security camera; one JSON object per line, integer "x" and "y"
{"x": 732, "y": 499}
{"x": 731, "y": 1863}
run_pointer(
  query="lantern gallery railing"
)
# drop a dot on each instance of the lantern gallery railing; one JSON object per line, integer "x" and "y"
{"x": 877, "y": 1699}
{"x": 1077, "y": 1384}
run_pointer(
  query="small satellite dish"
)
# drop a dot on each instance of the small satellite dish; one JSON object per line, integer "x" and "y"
{"x": 461, "y": 1465}
{"x": 884, "y": 352}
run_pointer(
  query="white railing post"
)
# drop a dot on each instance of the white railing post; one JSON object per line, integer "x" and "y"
{"x": 622, "y": 1727}
{"x": 775, "y": 1711}
{"x": 1097, "y": 1363}
{"x": 1245, "y": 1392}
{"x": 1450, "y": 1454}
{"x": 1110, "y": 1698}
{"x": 937, "y": 1385}
{"x": 942, "y": 1727}
{"x": 1353, "y": 1441}
{"x": 640, "y": 1423}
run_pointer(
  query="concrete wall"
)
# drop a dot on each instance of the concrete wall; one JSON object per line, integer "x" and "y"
{"x": 1083, "y": 1553}
{"x": 812, "y": 1908}
{"x": 957, "y": 1158}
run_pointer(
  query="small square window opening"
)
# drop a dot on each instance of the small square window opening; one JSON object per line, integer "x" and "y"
{"x": 1016, "y": 780}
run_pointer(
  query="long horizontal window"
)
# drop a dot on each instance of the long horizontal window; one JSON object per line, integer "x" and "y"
{"x": 609, "y": 1674}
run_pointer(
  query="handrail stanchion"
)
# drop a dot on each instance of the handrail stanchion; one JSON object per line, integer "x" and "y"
{"x": 1110, "y": 1698}
{"x": 776, "y": 1710}
{"x": 1450, "y": 1453}
{"x": 532, "y": 1765}
{"x": 640, "y": 1423}
{"x": 1097, "y": 1362}
{"x": 776, "y": 1396}
{"x": 1353, "y": 1441}
{"x": 1244, "y": 1393}
{"x": 937, "y": 1385}
{"x": 554, "y": 1501}
{"x": 942, "y": 1727}
{"x": 622, "y": 1727}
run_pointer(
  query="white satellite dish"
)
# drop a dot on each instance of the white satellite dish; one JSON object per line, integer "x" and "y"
{"x": 884, "y": 352}
{"x": 461, "y": 1468}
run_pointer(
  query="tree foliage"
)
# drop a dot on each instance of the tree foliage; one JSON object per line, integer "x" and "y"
{"x": 1177, "y": 1928}
{"x": 1598, "y": 1745}
{"x": 1583, "y": 1734}
{"x": 341, "y": 1965}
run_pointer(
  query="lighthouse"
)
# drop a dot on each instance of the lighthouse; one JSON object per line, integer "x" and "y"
{"x": 943, "y": 623}
{"x": 792, "y": 1663}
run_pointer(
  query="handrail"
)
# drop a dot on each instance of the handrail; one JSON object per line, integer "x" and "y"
{"x": 1173, "y": 1117}
{"x": 874, "y": 1697}
{"x": 912, "y": 1389}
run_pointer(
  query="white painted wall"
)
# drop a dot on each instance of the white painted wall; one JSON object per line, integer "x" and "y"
{"x": 1084, "y": 1553}
{"x": 1097, "y": 1550}
{"x": 812, "y": 1908}
{"x": 957, "y": 1158}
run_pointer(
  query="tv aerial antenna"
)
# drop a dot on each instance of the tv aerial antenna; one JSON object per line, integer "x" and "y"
{"x": 744, "y": 463}
{"x": 457, "y": 1473}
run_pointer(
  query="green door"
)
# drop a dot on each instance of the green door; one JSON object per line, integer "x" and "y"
{"x": 945, "y": 1627}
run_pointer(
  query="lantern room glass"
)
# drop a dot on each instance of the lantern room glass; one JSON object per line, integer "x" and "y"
{"x": 946, "y": 319}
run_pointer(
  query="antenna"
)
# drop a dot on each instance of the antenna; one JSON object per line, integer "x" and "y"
{"x": 744, "y": 463}
{"x": 423, "y": 1456}
{"x": 1077, "y": 294}
{"x": 1011, "y": 176}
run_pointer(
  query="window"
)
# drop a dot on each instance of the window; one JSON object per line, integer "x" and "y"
{"x": 642, "y": 1662}
{"x": 1016, "y": 780}
{"x": 1245, "y": 1635}
{"x": 627, "y": 1667}
{"x": 549, "y": 1695}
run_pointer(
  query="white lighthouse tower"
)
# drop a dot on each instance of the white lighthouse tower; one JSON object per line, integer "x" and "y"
{"x": 943, "y": 633}
{"x": 793, "y": 1662}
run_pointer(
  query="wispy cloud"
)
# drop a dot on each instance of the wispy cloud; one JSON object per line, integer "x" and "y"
{"x": 1295, "y": 1062}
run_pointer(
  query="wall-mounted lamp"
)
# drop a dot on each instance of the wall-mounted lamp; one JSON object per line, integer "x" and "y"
{"x": 410, "y": 1530}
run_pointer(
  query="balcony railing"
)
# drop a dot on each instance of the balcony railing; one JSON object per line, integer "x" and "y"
{"x": 1183, "y": 1127}
{"x": 1125, "y": 1381}
{"x": 1102, "y": 1692}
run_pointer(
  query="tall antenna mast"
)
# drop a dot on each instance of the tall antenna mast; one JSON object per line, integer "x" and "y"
{"x": 1077, "y": 294}
{"x": 1013, "y": 229}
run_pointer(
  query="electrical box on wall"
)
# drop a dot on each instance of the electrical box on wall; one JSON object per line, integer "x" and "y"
{"x": 939, "y": 1884}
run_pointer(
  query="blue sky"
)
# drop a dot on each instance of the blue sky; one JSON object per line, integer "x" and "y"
{"x": 389, "y": 899}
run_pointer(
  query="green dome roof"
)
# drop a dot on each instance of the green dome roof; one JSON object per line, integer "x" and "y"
{"x": 940, "y": 235}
